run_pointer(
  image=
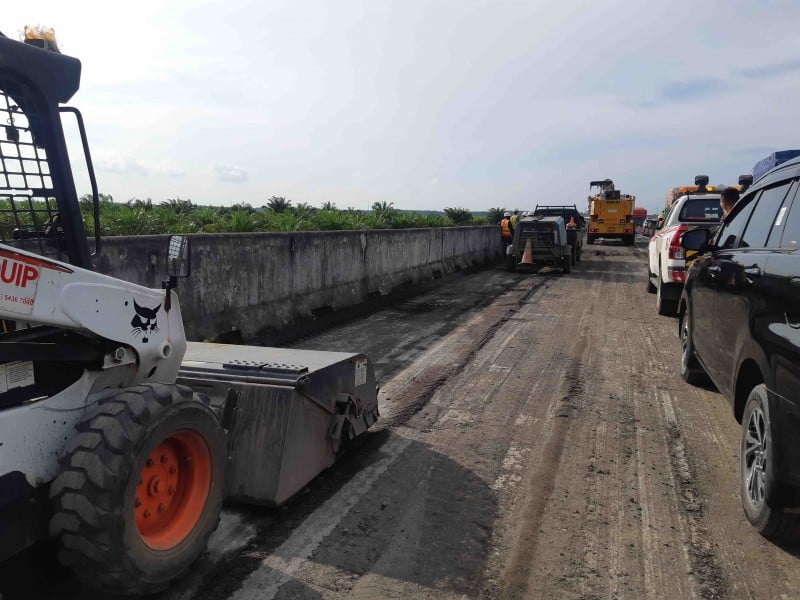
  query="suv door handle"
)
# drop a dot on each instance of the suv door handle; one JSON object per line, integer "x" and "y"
{"x": 752, "y": 271}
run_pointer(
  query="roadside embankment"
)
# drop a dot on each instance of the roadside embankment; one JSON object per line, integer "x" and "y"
{"x": 254, "y": 283}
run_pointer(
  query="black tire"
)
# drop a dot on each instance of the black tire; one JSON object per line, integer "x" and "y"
{"x": 691, "y": 371}
{"x": 578, "y": 254}
{"x": 511, "y": 263}
{"x": 651, "y": 289}
{"x": 665, "y": 307}
{"x": 93, "y": 498}
{"x": 590, "y": 239}
{"x": 759, "y": 489}
{"x": 566, "y": 264}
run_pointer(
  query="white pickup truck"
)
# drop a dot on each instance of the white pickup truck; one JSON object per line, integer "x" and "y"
{"x": 667, "y": 263}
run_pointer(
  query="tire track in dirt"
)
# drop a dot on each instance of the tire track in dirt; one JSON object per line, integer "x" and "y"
{"x": 541, "y": 485}
{"x": 607, "y": 500}
{"x": 687, "y": 496}
{"x": 706, "y": 569}
{"x": 410, "y": 391}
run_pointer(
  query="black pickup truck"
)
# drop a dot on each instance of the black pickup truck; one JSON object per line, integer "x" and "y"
{"x": 571, "y": 216}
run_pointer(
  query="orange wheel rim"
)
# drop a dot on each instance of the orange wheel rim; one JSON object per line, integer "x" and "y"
{"x": 172, "y": 490}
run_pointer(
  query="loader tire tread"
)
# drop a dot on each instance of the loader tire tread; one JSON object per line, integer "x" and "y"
{"x": 86, "y": 494}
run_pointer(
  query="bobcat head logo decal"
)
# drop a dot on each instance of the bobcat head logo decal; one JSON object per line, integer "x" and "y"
{"x": 144, "y": 321}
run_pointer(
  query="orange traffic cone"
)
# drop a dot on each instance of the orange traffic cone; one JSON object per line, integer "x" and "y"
{"x": 572, "y": 220}
{"x": 527, "y": 255}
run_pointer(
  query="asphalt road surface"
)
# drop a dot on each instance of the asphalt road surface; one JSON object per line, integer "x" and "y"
{"x": 535, "y": 442}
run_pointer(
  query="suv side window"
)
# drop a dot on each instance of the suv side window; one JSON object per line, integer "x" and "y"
{"x": 731, "y": 230}
{"x": 774, "y": 239}
{"x": 791, "y": 231}
{"x": 758, "y": 228}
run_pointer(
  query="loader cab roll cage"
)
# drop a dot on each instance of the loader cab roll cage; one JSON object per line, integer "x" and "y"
{"x": 39, "y": 208}
{"x": 607, "y": 190}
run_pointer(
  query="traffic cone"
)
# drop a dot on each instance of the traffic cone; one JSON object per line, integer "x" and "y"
{"x": 572, "y": 220}
{"x": 527, "y": 255}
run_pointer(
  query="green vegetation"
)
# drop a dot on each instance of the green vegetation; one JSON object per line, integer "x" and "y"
{"x": 495, "y": 215}
{"x": 178, "y": 215}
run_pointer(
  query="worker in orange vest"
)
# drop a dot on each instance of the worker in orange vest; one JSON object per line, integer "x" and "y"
{"x": 506, "y": 230}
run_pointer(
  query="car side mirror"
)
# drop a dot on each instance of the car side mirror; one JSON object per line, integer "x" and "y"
{"x": 696, "y": 239}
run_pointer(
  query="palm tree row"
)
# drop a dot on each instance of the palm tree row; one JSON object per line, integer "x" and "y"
{"x": 178, "y": 215}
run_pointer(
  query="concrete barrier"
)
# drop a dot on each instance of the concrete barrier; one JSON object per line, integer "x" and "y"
{"x": 261, "y": 282}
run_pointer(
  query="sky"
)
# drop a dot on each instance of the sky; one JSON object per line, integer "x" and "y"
{"x": 425, "y": 103}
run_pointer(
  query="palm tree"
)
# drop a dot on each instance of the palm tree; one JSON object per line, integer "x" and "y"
{"x": 139, "y": 203}
{"x": 304, "y": 207}
{"x": 459, "y": 216}
{"x": 178, "y": 205}
{"x": 244, "y": 207}
{"x": 278, "y": 204}
{"x": 328, "y": 205}
{"x": 383, "y": 206}
{"x": 495, "y": 215}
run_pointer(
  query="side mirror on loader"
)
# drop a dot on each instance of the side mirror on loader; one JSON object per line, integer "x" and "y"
{"x": 179, "y": 264}
{"x": 178, "y": 257}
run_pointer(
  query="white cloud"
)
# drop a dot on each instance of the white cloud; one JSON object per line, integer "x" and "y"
{"x": 123, "y": 165}
{"x": 229, "y": 173}
{"x": 168, "y": 168}
{"x": 492, "y": 101}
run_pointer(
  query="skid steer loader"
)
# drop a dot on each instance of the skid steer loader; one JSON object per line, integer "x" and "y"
{"x": 118, "y": 439}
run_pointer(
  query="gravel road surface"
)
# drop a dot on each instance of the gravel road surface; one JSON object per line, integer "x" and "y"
{"x": 535, "y": 442}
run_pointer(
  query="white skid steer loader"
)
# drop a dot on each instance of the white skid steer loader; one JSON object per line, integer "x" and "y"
{"x": 117, "y": 438}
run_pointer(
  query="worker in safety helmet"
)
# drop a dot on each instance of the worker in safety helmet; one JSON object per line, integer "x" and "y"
{"x": 514, "y": 219}
{"x": 506, "y": 230}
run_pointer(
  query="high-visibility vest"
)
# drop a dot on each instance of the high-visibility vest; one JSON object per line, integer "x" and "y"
{"x": 505, "y": 228}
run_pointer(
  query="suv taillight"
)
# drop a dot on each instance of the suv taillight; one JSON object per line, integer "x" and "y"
{"x": 675, "y": 250}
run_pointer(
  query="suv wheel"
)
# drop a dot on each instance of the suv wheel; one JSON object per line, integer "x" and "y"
{"x": 691, "y": 371}
{"x": 758, "y": 486}
{"x": 663, "y": 305}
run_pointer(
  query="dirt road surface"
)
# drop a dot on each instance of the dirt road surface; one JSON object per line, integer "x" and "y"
{"x": 535, "y": 442}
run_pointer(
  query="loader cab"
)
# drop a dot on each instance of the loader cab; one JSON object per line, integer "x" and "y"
{"x": 39, "y": 209}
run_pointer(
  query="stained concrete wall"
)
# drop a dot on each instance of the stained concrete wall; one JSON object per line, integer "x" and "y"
{"x": 262, "y": 282}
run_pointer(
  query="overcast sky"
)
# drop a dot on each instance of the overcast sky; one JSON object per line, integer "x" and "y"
{"x": 426, "y": 104}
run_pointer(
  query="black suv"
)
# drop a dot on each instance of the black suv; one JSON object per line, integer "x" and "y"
{"x": 740, "y": 325}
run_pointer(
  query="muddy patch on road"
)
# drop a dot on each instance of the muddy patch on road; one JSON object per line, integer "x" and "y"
{"x": 706, "y": 569}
